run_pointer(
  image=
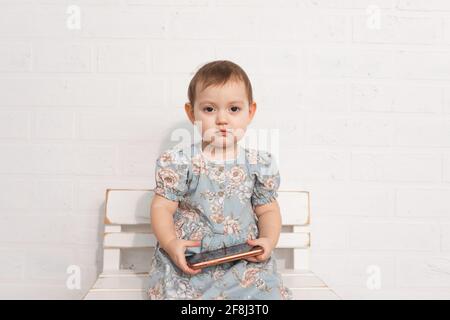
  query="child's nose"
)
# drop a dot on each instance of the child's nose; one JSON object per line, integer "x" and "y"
{"x": 221, "y": 118}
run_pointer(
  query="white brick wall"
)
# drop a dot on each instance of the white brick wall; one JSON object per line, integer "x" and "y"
{"x": 363, "y": 111}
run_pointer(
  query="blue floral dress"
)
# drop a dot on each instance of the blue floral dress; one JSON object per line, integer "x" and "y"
{"x": 216, "y": 205}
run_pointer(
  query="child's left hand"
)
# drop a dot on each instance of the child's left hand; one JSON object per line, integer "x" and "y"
{"x": 266, "y": 243}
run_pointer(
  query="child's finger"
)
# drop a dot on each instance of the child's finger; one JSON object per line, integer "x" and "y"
{"x": 251, "y": 259}
{"x": 261, "y": 257}
{"x": 192, "y": 243}
{"x": 183, "y": 265}
{"x": 257, "y": 242}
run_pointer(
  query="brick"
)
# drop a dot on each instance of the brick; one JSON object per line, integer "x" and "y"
{"x": 421, "y": 202}
{"x": 143, "y": 92}
{"x": 353, "y": 269}
{"x": 54, "y": 125}
{"x": 263, "y": 93}
{"x": 329, "y": 234}
{"x": 123, "y": 57}
{"x": 127, "y": 22}
{"x": 212, "y": 23}
{"x": 353, "y": 200}
{"x": 282, "y": 61}
{"x": 27, "y": 291}
{"x": 446, "y": 30}
{"x": 312, "y": 165}
{"x": 61, "y": 57}
{"x": 90, "y": 194}
{"x": 362, "y": 269}
{"x": 337, "y": 62}
{"x": 395, "y": 29}
{"x": 49, "y": 264}
{"x": 396, "y": 167}
{"x": 15, "y": 57}
{"x": 433, "y": 132}
{"x": 177, "y": 91}
{"x": 339, "y": 130}
{"x": 134, "y": 160}
{"x": 180, "y": 57}
{"x": 85, "y": 230}
{"x": 446, "y": 107}
{"x": 47, "y": 229}
{"x": 14, "y": 124}
{"x": 16, "y": 195}
{"x": 446, "y": 167}
{"x": 75, "y": 159}
{"x": 396, "y": 98}
{"x": 270, "y": 28}
{"x": 168, "y": 2}
{"x": 423, "y": 5}
{"x": 12, "y": 262}
{"x": 423, "y": 271}
{"x": 17, "y": 20}
{"x": 59, "y": 92}
{"x": 345, "y": 4}
{"x": 53, "y": 196}
{"x": 313, "y": 99}
{"x": 256, "y": 3}
{"x": 16, "y": 159}
{"x": 391, "y": 235}
{"x": 409, "y": 65}
{"x": 445, "y": 237}
{"x": 51, "y": 20}
{"x": 322, "y": 28}
{"x": 124, "y": 126}
{"x": 321, "y": 262}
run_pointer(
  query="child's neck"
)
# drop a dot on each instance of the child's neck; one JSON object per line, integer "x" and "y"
{"x": 218, "y": 153}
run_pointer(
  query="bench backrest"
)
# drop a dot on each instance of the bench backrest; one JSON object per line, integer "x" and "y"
{"x": 127, "y": 226}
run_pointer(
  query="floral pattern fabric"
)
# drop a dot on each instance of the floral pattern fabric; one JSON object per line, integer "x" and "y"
{"x": 216, "y": 206}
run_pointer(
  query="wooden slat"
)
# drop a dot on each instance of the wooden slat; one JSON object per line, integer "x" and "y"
{"x": 140, "y": 294}
{"x": 314, "y": 294}
{"x": 293, "y": 240}
{"x": 129, "y": 240}
{"x": 294, "y": 207}
{"x": 128, "y": 206}
{"x": 132, "y": 206}
{"x": 137, "y": 281}
{"x": 115, "y": 295}
{"x": 145, "y": 240}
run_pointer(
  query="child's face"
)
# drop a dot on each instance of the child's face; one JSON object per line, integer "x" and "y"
{"x": 222, "y": 107}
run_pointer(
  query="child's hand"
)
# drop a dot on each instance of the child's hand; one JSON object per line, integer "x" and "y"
{"x": 176, "y": 248}
{"x": 268, "y": 246}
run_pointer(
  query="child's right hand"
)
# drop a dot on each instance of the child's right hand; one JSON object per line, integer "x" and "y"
{"x": 176, "y": 249}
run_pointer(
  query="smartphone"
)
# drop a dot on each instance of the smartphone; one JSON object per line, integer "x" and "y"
{"x": 223, "y": 255}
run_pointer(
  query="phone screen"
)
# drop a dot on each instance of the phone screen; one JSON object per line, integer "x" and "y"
{"x": 219, "y": 253}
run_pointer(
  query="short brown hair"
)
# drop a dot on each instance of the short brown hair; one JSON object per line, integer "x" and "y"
{"x": 218, "y": 73}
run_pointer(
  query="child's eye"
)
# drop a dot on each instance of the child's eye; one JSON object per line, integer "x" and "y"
{"x": 208, "y": 108}
{"x": 235, "y": 109}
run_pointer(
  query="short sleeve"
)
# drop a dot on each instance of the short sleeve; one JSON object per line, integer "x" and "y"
{"x": 267, "y": 179}
{"x": 171, "y": 175}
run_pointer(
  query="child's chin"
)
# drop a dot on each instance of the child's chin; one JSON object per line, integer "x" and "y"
{"x": 223, "y": 141}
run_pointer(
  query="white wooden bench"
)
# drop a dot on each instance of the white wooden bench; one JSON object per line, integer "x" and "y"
{"x": 129, "y": 244}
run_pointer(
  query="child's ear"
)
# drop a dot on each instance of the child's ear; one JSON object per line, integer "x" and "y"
{"x": 252, "y": 110}
{"x": 189, "y": 111}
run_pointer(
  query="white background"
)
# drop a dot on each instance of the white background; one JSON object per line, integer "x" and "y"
{"x": 362, "y": 105}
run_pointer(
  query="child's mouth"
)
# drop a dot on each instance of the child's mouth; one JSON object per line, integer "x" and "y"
{"x": 224, "y": 132}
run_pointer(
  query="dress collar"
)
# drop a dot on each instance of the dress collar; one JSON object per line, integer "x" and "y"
{"x": 197, "y": 147}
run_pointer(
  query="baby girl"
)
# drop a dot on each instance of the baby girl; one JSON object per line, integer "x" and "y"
{"x": 214, "y": 194}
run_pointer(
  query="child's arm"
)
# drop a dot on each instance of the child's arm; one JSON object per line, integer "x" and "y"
{"x": 269, "y": 225}
{"x": 162, "y": 211}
